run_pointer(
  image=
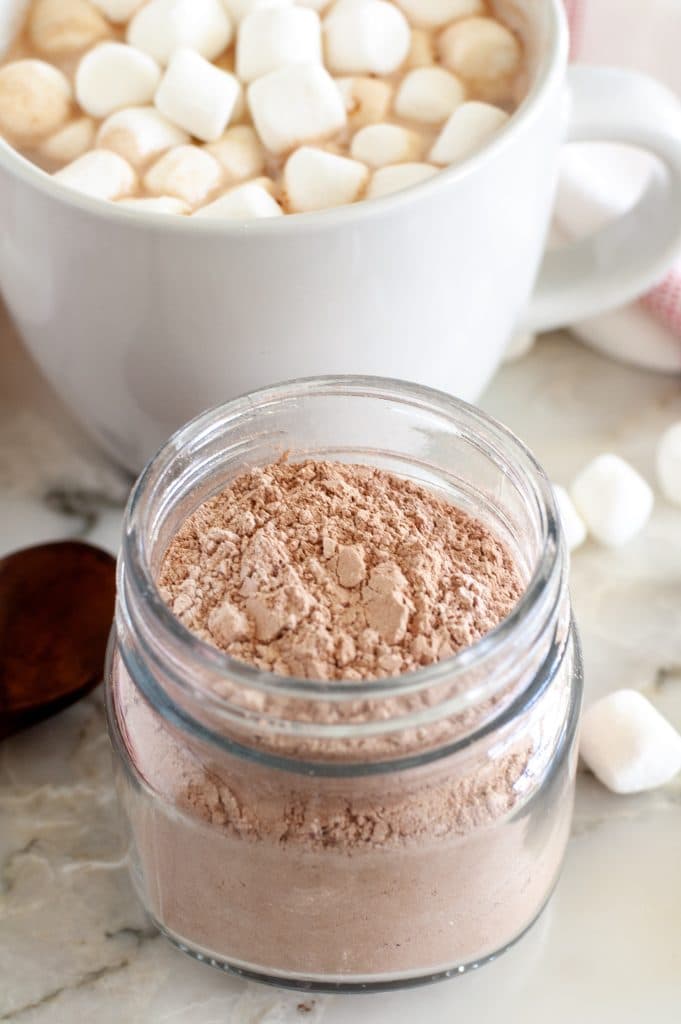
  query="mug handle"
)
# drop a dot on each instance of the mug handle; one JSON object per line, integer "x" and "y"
{"x": 632, "y": 253}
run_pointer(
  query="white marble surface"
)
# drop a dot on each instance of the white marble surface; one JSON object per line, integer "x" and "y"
{"x": 74, "y": 944}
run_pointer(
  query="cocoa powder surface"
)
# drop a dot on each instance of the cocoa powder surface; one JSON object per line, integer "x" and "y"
{"x": 329, "y": 571}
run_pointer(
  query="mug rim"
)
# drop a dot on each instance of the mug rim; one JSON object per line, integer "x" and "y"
{"x": 550, "y": 67}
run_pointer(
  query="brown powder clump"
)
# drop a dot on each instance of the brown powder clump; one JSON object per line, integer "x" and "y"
{"x": 326, "y": 570}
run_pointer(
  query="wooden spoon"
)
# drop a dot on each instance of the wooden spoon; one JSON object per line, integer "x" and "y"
{"x": 56, "y": 610}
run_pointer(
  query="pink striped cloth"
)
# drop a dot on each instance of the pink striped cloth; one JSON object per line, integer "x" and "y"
{"x": 645, "y": 36}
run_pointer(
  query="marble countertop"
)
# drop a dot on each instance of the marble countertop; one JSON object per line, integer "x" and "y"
{"x": 74, "y": 943}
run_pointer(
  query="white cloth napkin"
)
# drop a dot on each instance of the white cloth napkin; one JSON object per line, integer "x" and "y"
{"x": 598, "y": 182}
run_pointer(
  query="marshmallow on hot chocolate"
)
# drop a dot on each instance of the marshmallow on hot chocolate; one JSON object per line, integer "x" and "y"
{"x": 35, "y": 100}
{"x": 197, "y": 96}
{"x": 139, "y": 134}
{"x": 366, "y": 37}
{"x": 367, "y": 100}
{"x": 240, "y": 154}
{"x": 186, "y": 172}
{"x": 60, "y": 27}
{"x": 239, "y": 9}
{"x": 100, "y": 174}
{"x": 156, "y": 204}
{"x": 387, "y": 180}
{"x": 468, "y": 129}
{"x": 483, "y": 52}
{"x": 112, "y": 76}
{"x": 245, "y": 202}
{"x": 295, "y": 104}
{"x": 429, "y": 95}
{"x": 118, "y": 11}
{"x": 381, "y": 144}
{"x": 70, "y": 142}
{"x": 271, "y": 37}
{"x": 163, "y": 26}
{"x": 317, "y": 180}
{"x": 436, "y": 13}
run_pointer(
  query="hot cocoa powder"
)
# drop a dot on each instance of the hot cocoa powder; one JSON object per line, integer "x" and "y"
{"x": 331, "y": 571}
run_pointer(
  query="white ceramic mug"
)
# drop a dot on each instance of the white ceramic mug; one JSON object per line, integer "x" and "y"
{"x": 140, "y": 321}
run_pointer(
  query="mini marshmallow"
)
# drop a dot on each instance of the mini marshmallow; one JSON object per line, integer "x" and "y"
{"x": 316, "y": 180}
{"x": 240, "y": 154}
{"x": 381, "y": 144}
{"x": 429, "y": 95}
{"x": 246, "y": 202}
{"x": 387, "y": 180}
{"x": 483, "y": 52}
{"x": 421, "y": 49}
{"x": 197, "y": 96}
{"x": 468, "y": 129}
{"x": 186, "y": 172}
{"x": 573, "y": 525}
{"x": 35, "y": 100}
{"x": 275, "y": 36}
{"x": 613, "y": 499}
{"x": 70, "y": 142}
{"x": 60, "y": 27}
{"x": 668, "y": 464}
{"x": 239, "y": 9}
{"x": 520, "y": 345}
{"x": 100, "y": 174}
{"x": 367, "y": 100}
{"x": 118, "y": 11}
{"x": 112, "y": 76}
{"x": 628, "y": 745}
{"x": 296, "y": 104}
{"x": 156, "y": 204}
{"x": 369, "y": 36}
{"x": 139, "y": 134}
{"x": 163, "y": 26}
{"x": 436, "y": 13}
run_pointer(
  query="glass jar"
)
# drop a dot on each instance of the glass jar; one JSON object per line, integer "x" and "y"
{"x": 347, "y": 835}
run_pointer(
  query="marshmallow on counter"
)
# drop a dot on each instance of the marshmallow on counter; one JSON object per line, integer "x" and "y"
{"x": 271, "y": 37}
{"x": 240, "y": 154}
{"x": 156, "y": 204}
{"x": 296, "y": 104}
{"x": 367, "y": 100}
{"x": 70, "y": 142}
{"x": 379, "y": 145}
{"x": 35, "y": 100}
{"x": 468, "y": 129}
{"x": 163, "y": 26}
{"x": 668, "y": 464}
{"x": 429, "y": 95}
{"x": 100, "y": 174}
{"x": 118, "y": 11}
{"x": 245, "y": 202}
{"x": 61, "y": 27}
{"x": 139, "y": 134}
{"x": 186, "y": 172}
{"x": 112, "y": 76}
{"x": 421, "y": 50}
{"x": 197, "y": 96}
{"x": 613, "y": 499}
{"x": 628, "y": 745}
{"x": 436, "y": 13}
{"x": 573, "y": 525}
{"x": 317, "y": 180}
{"x": 239, "y": 9}
{"x": 483, "y": 52}
{"x": 387, "y": 180}
{"x": 366, "y": 37}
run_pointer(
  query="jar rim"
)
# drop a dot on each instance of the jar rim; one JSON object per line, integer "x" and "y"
{"x": 135, "y": 567}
